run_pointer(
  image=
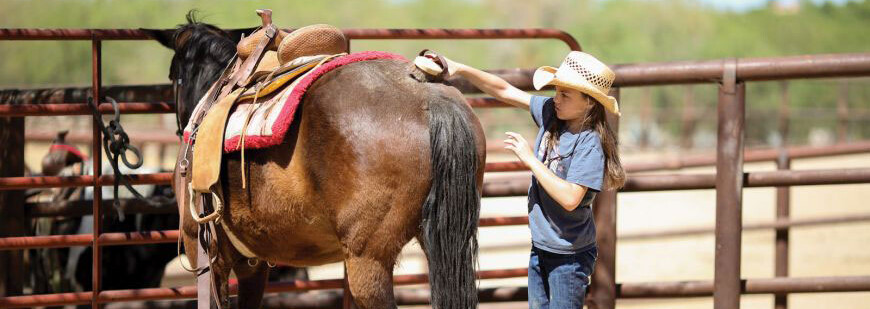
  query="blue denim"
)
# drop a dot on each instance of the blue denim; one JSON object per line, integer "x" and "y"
{"x": 559, "y": 281}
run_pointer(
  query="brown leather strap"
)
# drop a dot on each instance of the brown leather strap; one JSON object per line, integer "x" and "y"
{"x": 445, "y": 72}
{"x": 241, "y": 70}
{"x": 220, "y": 90}
{"x": 251, "y": 62}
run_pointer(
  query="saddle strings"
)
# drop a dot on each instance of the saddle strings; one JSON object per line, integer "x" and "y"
{"x": 248, "y": 117}
{"x": 255, "y": 108}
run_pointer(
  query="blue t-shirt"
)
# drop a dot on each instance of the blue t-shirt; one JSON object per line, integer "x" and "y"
{"x": 578, "y": 159}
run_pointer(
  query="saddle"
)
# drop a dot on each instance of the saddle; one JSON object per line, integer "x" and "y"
{"x": 267, "y": 64}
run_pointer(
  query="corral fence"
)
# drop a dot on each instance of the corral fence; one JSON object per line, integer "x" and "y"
{"x": 731, "y": 75}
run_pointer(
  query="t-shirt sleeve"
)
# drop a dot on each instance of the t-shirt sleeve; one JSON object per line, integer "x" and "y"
{"x": 587, "y": 165}
{"x": 537, "y": 107}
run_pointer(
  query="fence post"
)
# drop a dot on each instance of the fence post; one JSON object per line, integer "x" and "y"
{"x": 12, "y": 215}
{"x": 97, "y": 157}
{"x": 602, "y": 293}
{"x": 783, "y": 162}
{"x": 729, "y": 189}
{"x": 782, "y": 213}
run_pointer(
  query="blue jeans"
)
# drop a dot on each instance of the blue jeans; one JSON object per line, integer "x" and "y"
{"x": 559, "y": 281}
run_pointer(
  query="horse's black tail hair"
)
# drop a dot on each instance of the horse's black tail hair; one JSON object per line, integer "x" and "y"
{"x": 451, "y": 211}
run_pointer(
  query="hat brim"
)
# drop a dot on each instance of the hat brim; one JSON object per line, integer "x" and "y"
{"x": 546, "y": 75}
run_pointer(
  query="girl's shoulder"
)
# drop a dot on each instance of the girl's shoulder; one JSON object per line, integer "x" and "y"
{"x": 589, "y": 136}
{"x": 588, "y": 139}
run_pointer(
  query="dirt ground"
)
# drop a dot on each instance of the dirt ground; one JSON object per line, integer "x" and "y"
{"x": 825, "y": 250}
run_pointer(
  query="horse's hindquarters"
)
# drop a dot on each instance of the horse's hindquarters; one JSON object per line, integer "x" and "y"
{"x": 350, "y": 177}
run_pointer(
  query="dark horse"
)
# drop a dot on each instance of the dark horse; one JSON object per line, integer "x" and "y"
{"x": 378, "y": 156}
{"x": 73, "y": 265}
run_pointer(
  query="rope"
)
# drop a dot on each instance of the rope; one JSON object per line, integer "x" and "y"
{"x": 116, "y": 144}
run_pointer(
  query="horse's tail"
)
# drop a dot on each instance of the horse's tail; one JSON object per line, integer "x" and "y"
{"x": 451, "y": 211}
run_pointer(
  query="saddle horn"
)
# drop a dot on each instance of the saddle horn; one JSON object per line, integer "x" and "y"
{"x": 266, "y": 15}
{"x": 248, "y": 44}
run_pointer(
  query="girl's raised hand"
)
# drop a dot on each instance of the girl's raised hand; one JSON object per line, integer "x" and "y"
{"x": 516, "y": 143}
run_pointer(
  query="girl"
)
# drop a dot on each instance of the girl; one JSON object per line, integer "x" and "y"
{"x": 575, "y": 154}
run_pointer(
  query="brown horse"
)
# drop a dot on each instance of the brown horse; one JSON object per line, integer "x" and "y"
{"x": 376, "y": 156}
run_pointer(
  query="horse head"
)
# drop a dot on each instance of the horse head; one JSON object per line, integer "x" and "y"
{"x": 202, "y": 51}
{"x": 60, "y": 155}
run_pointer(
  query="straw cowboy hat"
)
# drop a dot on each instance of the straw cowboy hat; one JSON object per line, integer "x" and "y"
{"x": 582, "y": 72}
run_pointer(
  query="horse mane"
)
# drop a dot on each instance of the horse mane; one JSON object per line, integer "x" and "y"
{"x": 202, "y": 52}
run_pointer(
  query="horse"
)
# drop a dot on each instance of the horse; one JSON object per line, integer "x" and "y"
{"x": 375, "y": 157}
{"x": 145, "y": 263}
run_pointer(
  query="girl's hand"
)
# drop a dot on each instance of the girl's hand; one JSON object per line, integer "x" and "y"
{"x": 520, "y": 147}
{"x": 451, "y": 65}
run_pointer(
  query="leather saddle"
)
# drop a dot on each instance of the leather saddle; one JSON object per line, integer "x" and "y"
{"x": 267, "y": 62}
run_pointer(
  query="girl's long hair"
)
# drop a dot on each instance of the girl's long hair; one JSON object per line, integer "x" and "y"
{"x": 596, "y": 120}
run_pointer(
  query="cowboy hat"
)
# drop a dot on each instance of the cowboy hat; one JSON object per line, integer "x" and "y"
{"x": 582, "y": 72}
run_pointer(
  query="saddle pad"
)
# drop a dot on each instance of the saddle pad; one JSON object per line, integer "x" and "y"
{"x": 268, "y": 126}
{"x": 272, "y": 117}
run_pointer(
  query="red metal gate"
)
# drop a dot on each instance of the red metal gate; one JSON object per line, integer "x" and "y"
{"x": 729, "y": 180}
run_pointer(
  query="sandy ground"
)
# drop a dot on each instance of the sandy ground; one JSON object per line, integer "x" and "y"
{"x": 827, "y": 250}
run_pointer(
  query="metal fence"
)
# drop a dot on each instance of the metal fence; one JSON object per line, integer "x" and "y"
{"x": 729, "y": 179}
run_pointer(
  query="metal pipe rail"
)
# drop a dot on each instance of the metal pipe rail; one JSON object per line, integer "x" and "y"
{"x": 19, "y": 183}
{"x": 517, "y": 185}
{"x": 79, "y": 109}
{"x": 749, "y": 155}
{"x": 353, "y": 34}
{"x": 170, "y": 236}
{"x": 106, "y": 239}
{"x": 624, "y": 290}
{"x": 505, "y": 186}
{"x": 644, "y": 74}
{"x": 190, "y": 291}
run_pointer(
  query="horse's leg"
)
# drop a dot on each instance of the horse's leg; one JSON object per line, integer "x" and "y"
{"x": 252, "y": 283}
{"x": 371, "y": 281}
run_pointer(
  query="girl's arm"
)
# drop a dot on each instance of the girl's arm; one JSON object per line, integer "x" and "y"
{"x": 567, "y": 194}
{"x": 490, "y": 84}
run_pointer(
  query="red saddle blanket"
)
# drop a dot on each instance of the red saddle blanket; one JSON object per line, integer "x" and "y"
{"x": 268, "y": 126}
